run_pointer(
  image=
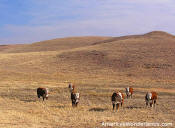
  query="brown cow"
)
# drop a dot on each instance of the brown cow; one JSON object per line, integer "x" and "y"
{"x": 43, "y": 92}
{"x": 117, "y": 98}
{"x": 151, "y": 98}
{"x": 129, "y": 92}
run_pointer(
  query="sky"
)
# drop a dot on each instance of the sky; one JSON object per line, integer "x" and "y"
{"x": 28, "y": 21}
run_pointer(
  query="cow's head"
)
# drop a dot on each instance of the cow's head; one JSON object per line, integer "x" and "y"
{"x": 127, "y": 89}
{"x": 47, "y": 93}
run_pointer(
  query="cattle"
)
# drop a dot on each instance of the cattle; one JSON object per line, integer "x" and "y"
{"x": 129, "y": 92}
{"x": 117, "y": 98}
{"x": 151, "y": 98}
{"x": 71, "y": 87}
{"x": 43, "y": 92}
{"x": 75, "y": 97}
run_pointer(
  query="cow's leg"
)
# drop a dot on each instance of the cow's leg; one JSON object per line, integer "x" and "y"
{"x": 76, "y": 104}
{"x": 154, "y": 103}
{"x": 121, "y": 104}
{"x": 151, "y": 103}
{"x": 146, "y": 103}
{"x": 38, "y": 96}
{"x": 117, "y": 106}
{"x": 43, "y": 98}
{"x": 72, "y": 103}
{"x": 113, "y": 106}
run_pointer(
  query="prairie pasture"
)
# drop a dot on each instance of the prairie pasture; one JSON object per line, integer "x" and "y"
{"x": 97, "y": 66}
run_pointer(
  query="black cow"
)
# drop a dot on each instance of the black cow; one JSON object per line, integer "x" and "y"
{"x": 42, "y": 92}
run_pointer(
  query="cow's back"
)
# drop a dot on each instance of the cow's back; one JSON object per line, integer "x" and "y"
{"x": 131, "y": 90}
{"x": 40, "y": 91}
{"x": 154, "y": 95}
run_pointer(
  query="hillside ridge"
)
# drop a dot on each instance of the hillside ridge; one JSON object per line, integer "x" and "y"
{"x": 76, "y": 42}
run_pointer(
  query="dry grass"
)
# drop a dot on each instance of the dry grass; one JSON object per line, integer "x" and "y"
{"x": 97, "y": 68}
{"x": 21, "y": 108}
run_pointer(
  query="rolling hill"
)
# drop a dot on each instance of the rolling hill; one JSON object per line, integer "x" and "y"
{"x": 148, "y": 56}
{"x": 54, "y": 45}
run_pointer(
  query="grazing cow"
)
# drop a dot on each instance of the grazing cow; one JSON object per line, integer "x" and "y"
{"x": 151, "y": 98}
{"x": 129, "y": 92}
{"x": 75, "y": 97}
{"x": 71, "y": 87}
{"x": 43, "y": 92}
{"x": 117, "y": 98}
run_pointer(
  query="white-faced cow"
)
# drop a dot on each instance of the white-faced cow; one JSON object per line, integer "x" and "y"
{"x": 129, "y": 92}
{"x": 117, "y": 98}
{"x": 43, "y": 92}
{"x": 75, "y": 97}
{"x": 151, "y": 98}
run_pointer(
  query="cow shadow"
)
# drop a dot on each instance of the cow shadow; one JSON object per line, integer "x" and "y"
{"x": 97, "y": 109}
{"x": 59, "y": 106}
{"x": 27, "y": 100}
{"x": 134, "y": 107}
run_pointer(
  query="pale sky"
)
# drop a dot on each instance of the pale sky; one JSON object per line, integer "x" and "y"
{"x": 27, "y": 21}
